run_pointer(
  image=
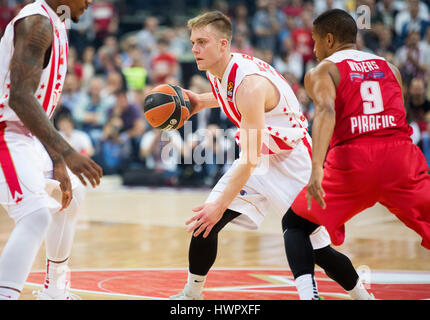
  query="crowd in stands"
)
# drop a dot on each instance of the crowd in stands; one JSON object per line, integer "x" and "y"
{"x": 120, "y": 50}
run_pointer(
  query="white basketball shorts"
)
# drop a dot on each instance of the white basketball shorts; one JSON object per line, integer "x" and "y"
{"x": 273, "y": 187}
{"x": 26, "y": 183}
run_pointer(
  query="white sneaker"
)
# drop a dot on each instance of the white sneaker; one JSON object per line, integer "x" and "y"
{"x": 186, "y": 295}
{"x": 45, "y": 295}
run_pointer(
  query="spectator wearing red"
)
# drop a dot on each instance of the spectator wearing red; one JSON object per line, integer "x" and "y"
{"x": 302, "y": 37}
{"x": 164, "y": 65}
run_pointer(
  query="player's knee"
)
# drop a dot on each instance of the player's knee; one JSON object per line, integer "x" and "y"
{"x": 38, "y": 221}
{"x": 291, "y": 220}
{"x": 77, "y": 200}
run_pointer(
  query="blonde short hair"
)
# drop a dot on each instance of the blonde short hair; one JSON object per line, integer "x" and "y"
{"x": 216, "y": 19}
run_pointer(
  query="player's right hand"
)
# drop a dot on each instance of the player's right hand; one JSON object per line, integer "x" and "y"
{"x": 195, "y": 102}
{"x": 315, "y": 189}
{"x": 82, "y": 166}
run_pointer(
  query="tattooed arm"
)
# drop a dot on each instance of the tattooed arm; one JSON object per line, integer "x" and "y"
{"x": 33, "y": 40}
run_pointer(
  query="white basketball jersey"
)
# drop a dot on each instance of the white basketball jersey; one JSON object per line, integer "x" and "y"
{"x": 285, "y": 125}
{"x": 52, "y": 79}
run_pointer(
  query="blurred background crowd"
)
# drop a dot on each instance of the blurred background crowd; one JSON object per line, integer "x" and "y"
{"x": 120, "y": 50}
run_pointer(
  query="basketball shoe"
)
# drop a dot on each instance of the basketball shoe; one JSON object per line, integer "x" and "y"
{"x": 49, "y": 294}
{"x": 186, "y": 294}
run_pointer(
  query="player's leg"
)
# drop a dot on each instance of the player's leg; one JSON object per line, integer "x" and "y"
{"x": 303, "y": 253}
{"x": 201, "y": 256}
{"x": 58, "y": 243}
{"x": 20, "y": 251}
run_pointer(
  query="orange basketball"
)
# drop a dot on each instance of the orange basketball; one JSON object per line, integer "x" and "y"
{"x": 167, "y": 107}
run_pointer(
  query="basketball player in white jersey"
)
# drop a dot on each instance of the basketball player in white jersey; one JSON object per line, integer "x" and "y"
{"x": 275, "y": 160}
{"x": 32, "y": 70}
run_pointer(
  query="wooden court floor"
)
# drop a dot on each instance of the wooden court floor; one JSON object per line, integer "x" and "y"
{"x": 132, "y": 228}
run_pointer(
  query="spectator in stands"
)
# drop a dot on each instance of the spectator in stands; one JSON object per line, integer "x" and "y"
{"x": 242, "y": 44}
{"x": 135, "y": 74}
{"x": 105, "y": 20}
{"x": 418, "y": 104}
{"x": 324, "y": 5}
{"x": 79, "y": 140}
{"x": 147, "y": 40}
{"x": 414, "y": 22}
{"x": 289, "y": 60}
{"x": 91, "y": 113}
{"x": 241, "y": 22}
{"x": 410, "y": 58}
{"x": 162, "y": 152}
{"x": 133, "y": 125}
{"x": 267, "y": 23}
{"x": 164, "y": 64}
{"x": 113, "y": 153}
{"x": 293, "y": 8}
{"x": 88, "y": 69}
{"x": 71, "y": 95}
{"x": 302, "y": 37}
{"x": 387, "y": 13}
{"x": 385, "y": 46}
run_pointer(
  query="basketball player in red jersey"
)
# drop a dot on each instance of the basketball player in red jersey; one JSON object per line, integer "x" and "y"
{"x": 359, "y": 114}
{"x": 32, "y": 70}
{"x": 275, "y": 160}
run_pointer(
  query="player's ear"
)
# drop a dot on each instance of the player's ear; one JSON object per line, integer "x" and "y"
{"x": 330, "y": 40}
{"x": 224, "y": 44}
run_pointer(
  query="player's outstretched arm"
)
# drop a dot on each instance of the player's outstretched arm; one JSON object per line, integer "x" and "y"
{"x": 32, "y": 40}
{"x": 320, "y": 86}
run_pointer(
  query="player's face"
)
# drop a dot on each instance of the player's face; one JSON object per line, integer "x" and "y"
{"x": 207, "y": 47}
{"x": 77, "y": 8}
{"x": 320, "y": 46}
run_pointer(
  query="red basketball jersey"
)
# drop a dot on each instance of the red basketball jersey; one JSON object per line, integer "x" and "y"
{"x": 369, "y": 103}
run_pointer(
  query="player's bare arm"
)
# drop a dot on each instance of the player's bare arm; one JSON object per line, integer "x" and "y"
{"x": 251, "y": 98}
{"x": 35, "y": 40}
{"x": 201, "y": 101}
{"x": 320, "y": 84}
{"x": 398, "y": 76}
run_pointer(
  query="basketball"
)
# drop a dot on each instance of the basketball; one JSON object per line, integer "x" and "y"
{"x": 167, "y": 107}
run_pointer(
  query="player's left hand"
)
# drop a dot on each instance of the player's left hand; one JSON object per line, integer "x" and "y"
{"x": 315, "y": 189}
{"x": 60, "y": 174}
{"x": 207, "y": 216}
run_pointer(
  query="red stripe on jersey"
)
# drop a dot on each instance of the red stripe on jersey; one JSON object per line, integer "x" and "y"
{"x": 8, "y": 167}
{"x": 231, "y": 79}
{"x": 281, "y": 144}
{"x": 308, "y": 146}
{"x": 48, "y": 94}
{"x": 225, "y": 108}
{"x": 212, "y": 86}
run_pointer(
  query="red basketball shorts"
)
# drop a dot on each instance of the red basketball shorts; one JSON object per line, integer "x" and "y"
{"x": 356, "y": 176}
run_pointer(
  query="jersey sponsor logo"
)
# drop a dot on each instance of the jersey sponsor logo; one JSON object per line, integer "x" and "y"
{"x": 355, "y": 76}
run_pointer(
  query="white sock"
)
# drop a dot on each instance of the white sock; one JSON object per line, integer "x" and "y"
{"x": 9, "y": 294}
{"x": 22, "y": 247}
{"x": 307, "y": 287}
{"x": 195, "y": 284}
{"x": 59, "y": 242}
{"x": 61, "y": 232}
{"x": 57, "y": 277}
{"x": 359, "y": 292}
